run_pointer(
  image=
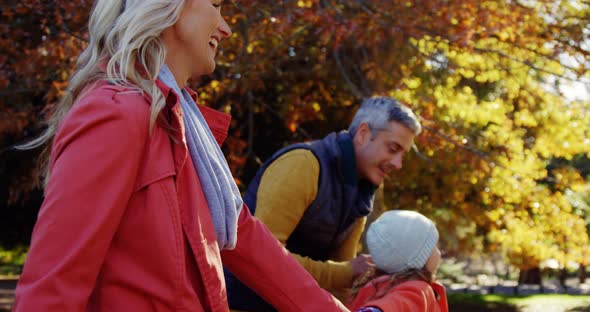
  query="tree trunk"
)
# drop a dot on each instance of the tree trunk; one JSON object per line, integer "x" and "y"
{"x": 582, "y": 273}
{"x": 531, "y": 277}
{"x": 562, "y": 275}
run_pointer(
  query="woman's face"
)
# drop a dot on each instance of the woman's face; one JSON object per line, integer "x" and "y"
{"x": 192, "y": 42}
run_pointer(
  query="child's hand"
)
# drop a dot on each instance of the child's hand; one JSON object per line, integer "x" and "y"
{"x": 361, "y": 265}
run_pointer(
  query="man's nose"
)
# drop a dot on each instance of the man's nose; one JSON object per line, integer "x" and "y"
{"x": 396, "y": 161}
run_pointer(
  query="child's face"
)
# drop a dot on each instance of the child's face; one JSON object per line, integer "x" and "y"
{"x": 434, "y": 261}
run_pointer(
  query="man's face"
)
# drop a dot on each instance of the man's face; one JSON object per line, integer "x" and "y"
{"x": 381, "y": 151}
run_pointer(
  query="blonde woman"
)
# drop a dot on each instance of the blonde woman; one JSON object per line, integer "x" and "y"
{"x": 140, "y": 207}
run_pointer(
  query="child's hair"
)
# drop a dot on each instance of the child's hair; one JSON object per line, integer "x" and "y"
{"x": 394, "y": 280}
{"x": 400, "y": 243}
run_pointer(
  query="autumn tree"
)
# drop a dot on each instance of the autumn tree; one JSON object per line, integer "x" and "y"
{"x": 484, "y": 76}
{"x": 39, "y": 44}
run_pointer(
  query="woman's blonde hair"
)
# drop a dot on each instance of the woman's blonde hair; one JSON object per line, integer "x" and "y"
{"x": 124, "y": 35}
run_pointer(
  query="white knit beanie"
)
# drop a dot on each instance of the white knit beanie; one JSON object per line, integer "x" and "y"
{"x": 401, "y": 239}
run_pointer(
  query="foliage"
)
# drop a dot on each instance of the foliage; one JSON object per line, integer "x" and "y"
{"x": 484, "y": 76}
{"x": 12, "y": 261}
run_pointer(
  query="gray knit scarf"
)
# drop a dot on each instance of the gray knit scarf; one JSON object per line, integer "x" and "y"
{"x": 222, "y": 193}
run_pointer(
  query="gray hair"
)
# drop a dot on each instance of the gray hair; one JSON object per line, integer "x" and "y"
{"x": 378, "y": 112}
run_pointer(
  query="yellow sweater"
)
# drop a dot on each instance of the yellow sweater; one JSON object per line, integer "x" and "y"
{"x": 287, "y": 187}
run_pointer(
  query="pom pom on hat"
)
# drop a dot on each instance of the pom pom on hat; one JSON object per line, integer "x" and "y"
{"x": 400, "y": 240}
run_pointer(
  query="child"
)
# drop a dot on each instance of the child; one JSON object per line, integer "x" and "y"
{"x": 403, "y": 247}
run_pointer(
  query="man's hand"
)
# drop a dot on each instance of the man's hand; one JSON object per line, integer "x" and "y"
{"x": 361, "y": 264}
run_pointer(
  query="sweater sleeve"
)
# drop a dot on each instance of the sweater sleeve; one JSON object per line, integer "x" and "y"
{"x": 287, "y": 187}
{"x": 350, "y": 247}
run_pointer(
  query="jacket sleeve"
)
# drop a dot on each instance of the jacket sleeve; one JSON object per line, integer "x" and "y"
{"x": 287, "y": 187}
{"x": 95, "y": 159}
{"x": 265, "y": 266}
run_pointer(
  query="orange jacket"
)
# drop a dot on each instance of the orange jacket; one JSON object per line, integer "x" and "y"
{"x": 411, "y": 296}
{"x": 125, "y": 225}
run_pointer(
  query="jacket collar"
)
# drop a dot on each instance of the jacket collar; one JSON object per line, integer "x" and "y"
{"x": 217, "y": 121}
{"x": 171, "y": 97}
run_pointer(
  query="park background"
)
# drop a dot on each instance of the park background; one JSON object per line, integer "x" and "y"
{"x": 501, "y": 87}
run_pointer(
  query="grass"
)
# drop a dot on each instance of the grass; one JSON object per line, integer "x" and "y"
{"x": 473, "y": 302}
{"x": 498, "y": 303}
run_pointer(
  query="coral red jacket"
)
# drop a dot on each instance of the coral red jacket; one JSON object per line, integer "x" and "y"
{"x": 411, "y": 296}
{"x": 125, "y": 225}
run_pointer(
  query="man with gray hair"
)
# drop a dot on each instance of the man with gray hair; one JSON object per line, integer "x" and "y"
{"x": 315, "y": 196}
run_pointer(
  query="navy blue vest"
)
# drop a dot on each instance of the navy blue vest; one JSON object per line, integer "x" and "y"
{"x": 341, "y": 199}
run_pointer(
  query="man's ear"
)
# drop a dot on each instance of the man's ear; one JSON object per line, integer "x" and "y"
{"x": 363, "y": 134}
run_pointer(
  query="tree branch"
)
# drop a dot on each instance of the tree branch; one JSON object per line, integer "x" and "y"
{"x": 355, "y": 90}
{"x": 445, "y": 137}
